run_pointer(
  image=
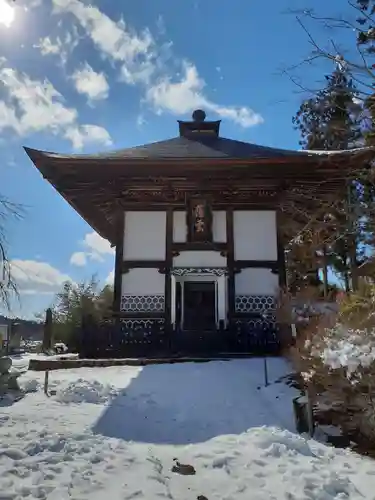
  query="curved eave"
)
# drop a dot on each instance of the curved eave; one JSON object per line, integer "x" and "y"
{"x": 92, "y": 217}
{"x": 45, "y": 156}
{"x": 40, "y": 158}
{"x": 61, "y": 170}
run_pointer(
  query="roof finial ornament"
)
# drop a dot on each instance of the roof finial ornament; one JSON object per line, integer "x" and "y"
{"x": 199, "y": 115}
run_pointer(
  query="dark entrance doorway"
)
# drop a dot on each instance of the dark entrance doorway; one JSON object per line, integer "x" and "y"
{"x": 199, "y": 305}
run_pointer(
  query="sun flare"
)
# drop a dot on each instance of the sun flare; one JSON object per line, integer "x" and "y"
{"x": 6, "y": 13}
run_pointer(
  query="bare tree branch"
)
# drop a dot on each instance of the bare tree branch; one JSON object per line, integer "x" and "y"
{"x": 362, "y": 71}
{"x": 8, "y": 287}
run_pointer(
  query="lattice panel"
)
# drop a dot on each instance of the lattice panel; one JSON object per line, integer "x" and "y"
{"x": 254, "y": 303}
{"x": 258, "y": 332}
{"x": 142, "y": 303}
{"x": 141, "y": 324}
{"x": 254, "y": 324}
{"x": 186, "y": 271}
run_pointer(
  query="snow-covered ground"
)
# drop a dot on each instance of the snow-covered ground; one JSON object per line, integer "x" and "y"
{"x": 113, "y": 433}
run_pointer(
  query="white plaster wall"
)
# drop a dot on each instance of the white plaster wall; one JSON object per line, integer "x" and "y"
{"x": 142, "y": 281}
{"x": 144, "y": 237}
{"x": 179, "y": 227}
{"x": 196, "y": 258}
{"x": 256, "y": 281}
{"x": 219, "y": 226}
{"x": 255, "y": 236}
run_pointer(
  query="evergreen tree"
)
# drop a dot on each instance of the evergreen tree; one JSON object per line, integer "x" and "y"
{"x": 366, "y": 45}
{"x": 330, "y": 121}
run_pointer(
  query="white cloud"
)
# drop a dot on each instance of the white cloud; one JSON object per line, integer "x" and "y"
{"x": 48, "y": 47}
{"x": 98, "y": 244}
{"x": 78, "y": 259}
{"x": 114, "y": 40}
{"x": 34, "y": 277}
{"x": 36, "y": 106}
{"x": 39, "y": 104}
{"x": 140, "y": 120}
{"x": 110, "y": 278}
{"x": 142, "y": 61}
{"x": 90, "y": 83}
{"x": 187, "y": 94}
{"x": 62, "y": 47}
{"x": 95, "y": 248}
{"x": 81, "y": 135}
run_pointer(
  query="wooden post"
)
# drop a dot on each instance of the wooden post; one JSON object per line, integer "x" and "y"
{"x": 46, "y": 380}
{"x": 168, "y": 269}
{"x": 120, "y": 235}
{"x": 48, "y": 331}
{"x": 280, "y": 253}
{"x": 300, "y": 417}
{"x": 266, "y": 383}
{"x": 230, "y": 265}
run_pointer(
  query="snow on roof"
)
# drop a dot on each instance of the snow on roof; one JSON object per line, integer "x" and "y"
{"x": 364, "y": 149}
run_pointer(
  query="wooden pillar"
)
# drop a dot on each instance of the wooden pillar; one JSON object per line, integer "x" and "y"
{"x": 168, "y": 267}
{"x": 280, "y": 253}
{"x": 120, "y": 234}
{"x": 230, "y": 264}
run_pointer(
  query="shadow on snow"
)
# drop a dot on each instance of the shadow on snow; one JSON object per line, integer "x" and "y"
{"x": 194, "y": 402}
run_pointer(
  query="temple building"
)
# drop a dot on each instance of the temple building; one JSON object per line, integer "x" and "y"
{"x": 196, "y": 221}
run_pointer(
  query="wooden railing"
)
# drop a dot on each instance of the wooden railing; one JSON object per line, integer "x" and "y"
{"x": 148, "y": 337}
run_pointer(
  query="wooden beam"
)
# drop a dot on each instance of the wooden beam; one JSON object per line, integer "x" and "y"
{"x": 196, "y": 246}
{"x": 261, "y": 264}
{"x": 139, "y": 315}
{"x": 146, "y": 264}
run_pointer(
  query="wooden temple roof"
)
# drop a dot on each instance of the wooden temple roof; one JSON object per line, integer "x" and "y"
{"x": 195, "y": 147}
{"x": 96, "y": 185}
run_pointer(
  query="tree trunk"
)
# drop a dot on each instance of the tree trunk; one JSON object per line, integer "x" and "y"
{"x": 346, "y": 281}
{"x": 353, "y": 266}
{"x": 325, "y": 272}
{"x": 352, "y": 244}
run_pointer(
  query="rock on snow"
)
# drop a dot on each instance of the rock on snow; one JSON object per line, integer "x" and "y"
{"x": 117, "y": 432}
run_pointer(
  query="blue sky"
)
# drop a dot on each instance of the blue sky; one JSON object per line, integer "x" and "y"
{"x": 86, "y": 77}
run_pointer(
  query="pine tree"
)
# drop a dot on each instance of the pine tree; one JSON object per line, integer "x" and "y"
{"x": 329, "y": 121}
